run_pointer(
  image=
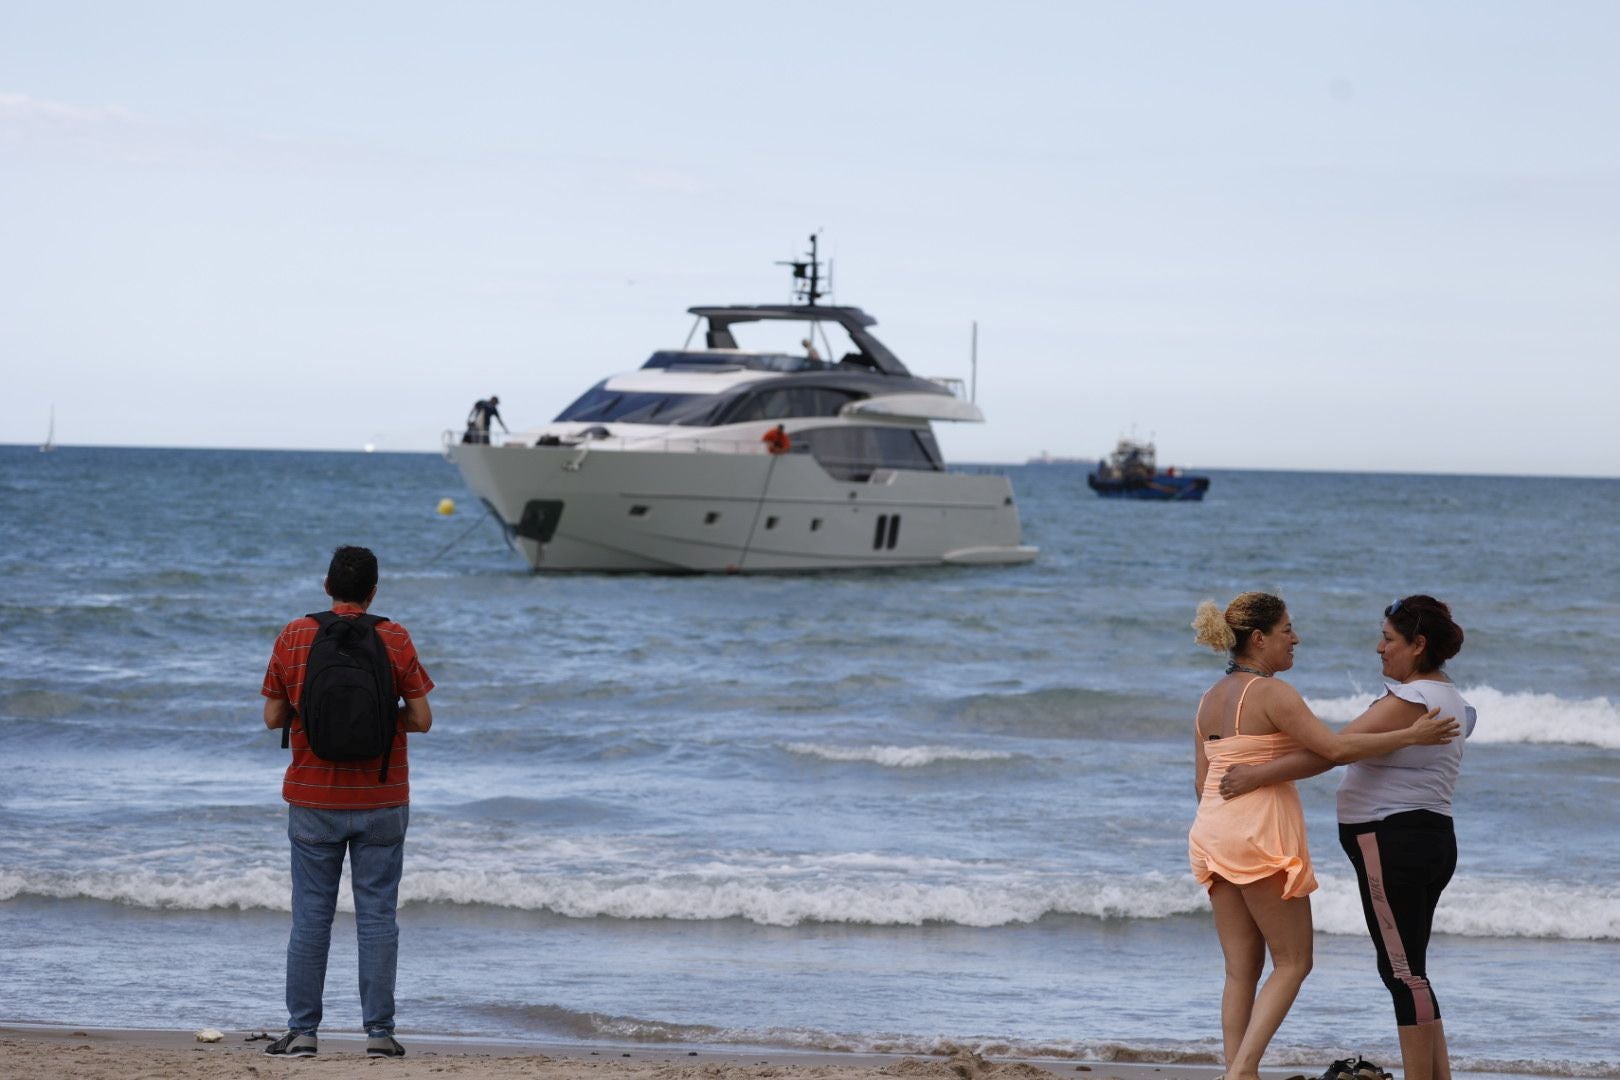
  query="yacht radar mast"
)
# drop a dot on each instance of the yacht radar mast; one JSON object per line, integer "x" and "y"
{"x": 807, "y": 276}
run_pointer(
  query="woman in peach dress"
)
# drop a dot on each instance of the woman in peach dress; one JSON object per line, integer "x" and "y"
{"x": 1251, "y": 851}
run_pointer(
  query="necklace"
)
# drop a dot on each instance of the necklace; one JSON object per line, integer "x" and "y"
{"x": 1235, "y": 666}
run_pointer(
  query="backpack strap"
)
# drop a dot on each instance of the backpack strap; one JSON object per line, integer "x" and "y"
{"x": 322, "y": 618}
{"x": 371, "y": 622}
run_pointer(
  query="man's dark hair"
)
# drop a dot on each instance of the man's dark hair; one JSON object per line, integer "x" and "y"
{"x": 352, "y": 575}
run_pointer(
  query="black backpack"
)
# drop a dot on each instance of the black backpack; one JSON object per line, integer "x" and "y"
{"x": 348, "y": 704}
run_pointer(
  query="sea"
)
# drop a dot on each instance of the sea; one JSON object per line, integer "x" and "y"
{"x": 873, "y": 811}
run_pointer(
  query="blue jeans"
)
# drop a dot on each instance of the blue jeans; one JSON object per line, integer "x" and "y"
{"x": 375, "y": 841}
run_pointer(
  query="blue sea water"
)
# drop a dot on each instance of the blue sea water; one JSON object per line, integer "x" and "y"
{"x": 864, "y": 811}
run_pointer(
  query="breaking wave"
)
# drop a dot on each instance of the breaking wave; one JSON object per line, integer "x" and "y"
{"x": 1473, "y": 907}
{"x": 1513, "y": 717}
{"x": 897, "y": 757}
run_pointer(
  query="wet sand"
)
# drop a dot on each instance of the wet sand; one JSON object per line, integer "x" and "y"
{"x": 114, "y": 1054}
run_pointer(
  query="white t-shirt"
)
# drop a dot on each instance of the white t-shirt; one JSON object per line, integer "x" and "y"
{"x": 1413, "y": 777}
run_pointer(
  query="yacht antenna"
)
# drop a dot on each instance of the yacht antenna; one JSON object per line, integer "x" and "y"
{"x": 807, "y": 275}
{"x": 973, "y": 394}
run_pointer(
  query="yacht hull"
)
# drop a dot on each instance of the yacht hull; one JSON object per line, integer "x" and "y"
{"x": 573, "y": 508}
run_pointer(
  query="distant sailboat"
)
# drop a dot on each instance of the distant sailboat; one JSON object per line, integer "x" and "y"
{"x": 50, "y": 435}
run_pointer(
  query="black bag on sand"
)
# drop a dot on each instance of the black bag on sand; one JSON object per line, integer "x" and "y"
{"x": 348, "y": 705}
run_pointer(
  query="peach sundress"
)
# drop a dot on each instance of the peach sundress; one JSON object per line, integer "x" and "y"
{"x": 1255, "y": 835}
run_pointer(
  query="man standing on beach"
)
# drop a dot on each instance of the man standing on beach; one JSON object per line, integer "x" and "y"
{"x": 358, "y": 807}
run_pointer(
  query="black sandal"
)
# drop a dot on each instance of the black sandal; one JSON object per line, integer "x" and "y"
{"x": 1356, "y": 1068}
{"x": 1366, "y": 1070}
{"x": 1343, "y": 1069}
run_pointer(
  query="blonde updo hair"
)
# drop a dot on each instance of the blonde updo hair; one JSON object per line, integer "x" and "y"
{"x": 1229, "y": 631}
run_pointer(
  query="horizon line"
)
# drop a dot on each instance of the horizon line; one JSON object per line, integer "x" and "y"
{"x": 1028, "y": 462}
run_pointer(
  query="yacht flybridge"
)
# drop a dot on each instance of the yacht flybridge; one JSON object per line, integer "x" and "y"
{"x": 729, "y": 460}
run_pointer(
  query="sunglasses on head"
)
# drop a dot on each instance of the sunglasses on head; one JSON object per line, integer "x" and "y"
{"x": 1417, "y": 618}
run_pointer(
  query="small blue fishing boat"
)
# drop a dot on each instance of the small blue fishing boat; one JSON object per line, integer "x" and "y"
{"x": 1132, "y": 472}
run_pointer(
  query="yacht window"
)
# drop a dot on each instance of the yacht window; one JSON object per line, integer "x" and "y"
{"x": 852, "y": 453}
{"x": 599, "y": 404}
{"x": 789, "y": 402}
{"x": 697, "y": 361}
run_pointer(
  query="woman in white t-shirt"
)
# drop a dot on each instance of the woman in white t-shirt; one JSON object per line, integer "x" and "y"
{"x": 1395, "y": 819}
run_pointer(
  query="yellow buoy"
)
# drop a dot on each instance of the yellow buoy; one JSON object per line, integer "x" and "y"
{"x": 447, "y": 506}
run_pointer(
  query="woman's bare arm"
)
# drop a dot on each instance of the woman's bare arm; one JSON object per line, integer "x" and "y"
{"x": 1382, "y": 716}
{"x": 1296, "y": 765}
{"x": 1391, "y": 724}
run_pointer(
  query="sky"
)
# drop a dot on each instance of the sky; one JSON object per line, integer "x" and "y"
{"x": 1346, "y": 236}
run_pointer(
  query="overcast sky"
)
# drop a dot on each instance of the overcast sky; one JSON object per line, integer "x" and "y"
{"x": 1367, "y": 236}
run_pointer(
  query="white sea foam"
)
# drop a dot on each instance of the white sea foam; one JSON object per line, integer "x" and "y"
{"x": 1513, "y": 717}
{"x": 1486, "y": 907}
{"x": 779, "y": 903}
{"x": 1474, "y": 907}
{"x": 897, "y": 757}
{"x": 255, "y": 887}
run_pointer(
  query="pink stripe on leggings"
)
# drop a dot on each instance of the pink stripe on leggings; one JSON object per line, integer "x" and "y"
{"x": 1422, "y": 995}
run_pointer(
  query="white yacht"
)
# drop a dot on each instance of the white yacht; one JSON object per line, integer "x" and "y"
{"x": 723, "y": 459}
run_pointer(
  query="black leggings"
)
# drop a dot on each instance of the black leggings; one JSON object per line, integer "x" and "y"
{"x": 1402, "y": 865}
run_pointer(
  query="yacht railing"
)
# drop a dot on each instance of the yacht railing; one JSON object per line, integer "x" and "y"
{"x": 663, "y": 445}
{"x": 675, "y": 446}
{"x": 858, "y": 470}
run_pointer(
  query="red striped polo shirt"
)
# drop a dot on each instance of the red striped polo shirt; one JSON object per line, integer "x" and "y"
{"x": 343, "y": 785}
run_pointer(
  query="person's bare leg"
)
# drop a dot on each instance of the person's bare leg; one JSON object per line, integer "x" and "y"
{"x": 1423, "y": 1052}
{"x": 1442, "y": 1055}
{"x": 1417, "y": 1051}
{"x": 1245, "y": 952}
{"x": 1286, "y": 927}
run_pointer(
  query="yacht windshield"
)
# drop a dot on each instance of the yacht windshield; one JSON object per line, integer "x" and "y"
{"x": 670, "y": 358}
{"x": 599, "y": 404}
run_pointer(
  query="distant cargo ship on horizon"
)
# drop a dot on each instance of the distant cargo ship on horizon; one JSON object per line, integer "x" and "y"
{"x": 1044, "y": 458}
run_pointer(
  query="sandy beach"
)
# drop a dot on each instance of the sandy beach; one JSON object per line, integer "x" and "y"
{"x": 124, "y": 1054}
